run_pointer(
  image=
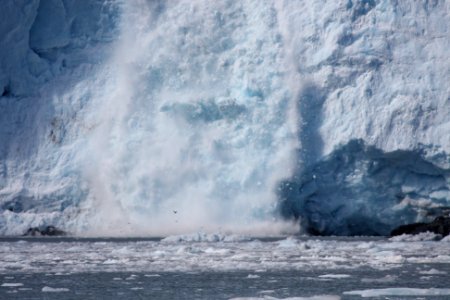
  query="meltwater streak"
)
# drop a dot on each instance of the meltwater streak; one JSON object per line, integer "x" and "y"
{"x": 192, "y": 124}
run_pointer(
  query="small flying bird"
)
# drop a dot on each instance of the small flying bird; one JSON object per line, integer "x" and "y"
{"x": 175, "y": 211}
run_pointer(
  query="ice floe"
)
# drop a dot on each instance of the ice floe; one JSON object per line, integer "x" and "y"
{"x": 399, "y": 292}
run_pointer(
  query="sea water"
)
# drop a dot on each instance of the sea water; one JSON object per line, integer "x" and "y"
{"x": 219, "y": 266}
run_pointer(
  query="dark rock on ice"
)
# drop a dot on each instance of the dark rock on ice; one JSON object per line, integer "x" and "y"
{"x": 47, "y": 231}
{"x": 440, "y": 225}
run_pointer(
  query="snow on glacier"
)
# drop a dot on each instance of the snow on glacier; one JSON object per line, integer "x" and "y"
{"x": 136, "y": 117}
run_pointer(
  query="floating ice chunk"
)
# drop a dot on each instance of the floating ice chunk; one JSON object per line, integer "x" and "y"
{"x": 120, "y": 251}
{"x": 432, "y": 272}
{"x": 233, "y": 238}
{"x": 288, "y": 243}
{"x": 399, "y": 292}
{"x": 214, "y": 251}
{"x": 337, "y": 276}
{"x": 159, "y": 253}
{"x": 446, "y": 239}
{"x": 389, "y": 257}
{"x": 204, "y": 237}
{"x": 253, "y": 276}
{"x": 320, "y": 297}
{"x": 385, "y": 279}
{"x": 443, "y": 258}
{"x": 12, "y": 284}
{"x": 424, "y": 236}
{"x": 110, "y": 262}
{"x": 47, "y": 289}
{"x": 267, "y": 292}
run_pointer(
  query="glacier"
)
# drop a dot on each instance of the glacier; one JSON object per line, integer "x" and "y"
{"x": 256, "y": 117}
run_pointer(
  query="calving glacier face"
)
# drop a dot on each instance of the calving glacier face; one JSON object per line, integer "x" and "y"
{"x": 186, "y": 125}
{"x": 374, "y": 116}
{"x": 191, "y": 128}
{"x": 40, "y": 180}
{"x": 361, "y": 190}
{"x": 155, "y": 117}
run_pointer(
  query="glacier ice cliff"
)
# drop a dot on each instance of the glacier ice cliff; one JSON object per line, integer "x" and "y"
{"x": 361, "y": 190}
{"x": 245, "y": 116}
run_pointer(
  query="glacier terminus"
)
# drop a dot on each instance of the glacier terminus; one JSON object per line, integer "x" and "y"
{"x": 254, "y": 117}
{"x": 253, "y": 149}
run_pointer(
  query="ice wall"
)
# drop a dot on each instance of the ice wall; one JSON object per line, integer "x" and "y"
{"x": 155, "y": 117}
{"x": 376, "y": 73}
{"x": 48, "y": 48}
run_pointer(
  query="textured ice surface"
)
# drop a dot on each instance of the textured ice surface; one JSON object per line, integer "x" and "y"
{"x": 138, "y": 117}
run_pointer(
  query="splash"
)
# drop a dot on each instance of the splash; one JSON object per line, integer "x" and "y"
{"x": 190, "y": 122}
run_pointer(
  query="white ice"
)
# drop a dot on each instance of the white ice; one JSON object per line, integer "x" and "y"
{"x": 432, "y": 272}
{"x": 400, "y": 292}
{"x": 164, "y": 117}
{"x": 47, "y": 289}
{"x": 423, "y": 236}
{"x": 319, "y": 297}
{"x": 330, "y": 257}
{"x": 12, "y": 284}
